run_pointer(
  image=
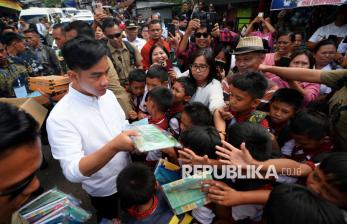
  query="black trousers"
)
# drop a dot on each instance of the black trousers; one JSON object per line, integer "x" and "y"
{"x": 106, "y": 207}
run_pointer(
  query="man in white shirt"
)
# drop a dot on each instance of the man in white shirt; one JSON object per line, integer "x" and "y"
{"x": 41, "y": 28}
{"x": 338, "y": 28}
{"x": 85, "y": 127}
{"x": 132, "y": 32}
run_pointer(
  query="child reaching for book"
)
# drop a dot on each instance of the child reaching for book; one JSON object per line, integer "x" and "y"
{"x": 309, "y": 131}
{"x": 328, "y": 179}
{"x": 202, "y": 140}
{"x": 246, "y": 91}
{"x": 183, "y": 89}
{"x": 141, "y": 198}
{"x": 195, "y": 114}
{"x": 136, "y": 88}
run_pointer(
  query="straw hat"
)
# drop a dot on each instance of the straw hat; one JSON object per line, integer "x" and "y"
{"x": 249, "y": 44}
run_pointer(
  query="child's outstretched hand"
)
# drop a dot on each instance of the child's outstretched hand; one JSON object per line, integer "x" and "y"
{"x": 220, "y": 193}
{"x": 187, "y": 156}
{"x": 234, "y": 156}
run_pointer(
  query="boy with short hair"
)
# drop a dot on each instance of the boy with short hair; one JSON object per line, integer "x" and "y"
{"x": 195, "y": 114}
{"x": 309, "y": 131}
{"x": 136, "y": 88}
{"x": 202, "y": 140}
{"x": 259, "y": 143}
{"x": 283, "y": 105}
{"x": 159, "y": 101}
{"x": 246, "y": 91}
{"x": 141, "y": 198}
{"x": 156, "y": 76}
{"x": 183, "y": 89}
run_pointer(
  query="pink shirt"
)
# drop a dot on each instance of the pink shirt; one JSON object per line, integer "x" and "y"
{"x": 266, "y": 36}
{"x": 311, "y": 89}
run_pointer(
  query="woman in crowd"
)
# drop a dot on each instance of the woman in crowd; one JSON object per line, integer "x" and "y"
{"x": 325, "y": 52}
{"x": 203, "y": 73}
{"x": 159, "y": 55}
{"x": 223, "y": 61}
{"x": 99, "y": 35}
{"x": 284, "y": 46}
{"x": 144, "y": 32}
{"x": 301, "y": 58}
{"x": 262, "y": 28}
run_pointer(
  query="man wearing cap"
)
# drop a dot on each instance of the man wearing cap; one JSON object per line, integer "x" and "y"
{"x": 125, "y": 56}
{"x": 132, "y": 31}
{"x": 249, "y": 54}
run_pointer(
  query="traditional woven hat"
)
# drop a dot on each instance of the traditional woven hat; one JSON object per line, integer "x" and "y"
{"x": 249, "y": 44}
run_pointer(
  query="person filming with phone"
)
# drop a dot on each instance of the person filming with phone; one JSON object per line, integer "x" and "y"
{"x": 202, "y": 40}
{"x": 261, "y": 27}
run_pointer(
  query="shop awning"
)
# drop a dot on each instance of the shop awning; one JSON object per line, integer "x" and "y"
{"x": 11, "y": 4}
{"x": 289, "y": 4}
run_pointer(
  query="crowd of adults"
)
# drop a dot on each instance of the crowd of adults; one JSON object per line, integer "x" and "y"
{"x": 264, "y": 96}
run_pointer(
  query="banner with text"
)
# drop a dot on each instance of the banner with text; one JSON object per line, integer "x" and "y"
{"x": 289, "y": 4}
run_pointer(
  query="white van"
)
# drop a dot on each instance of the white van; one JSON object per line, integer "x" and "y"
{"x": 32, "y": 15}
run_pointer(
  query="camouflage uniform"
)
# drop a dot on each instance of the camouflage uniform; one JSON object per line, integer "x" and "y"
{"x": 9, "y": 75}
{"x": 32, "y": 62}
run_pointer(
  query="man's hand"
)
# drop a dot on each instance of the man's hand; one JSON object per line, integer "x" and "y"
{"x": 172, "y": 74}
{"x": 123, "y": 142}
{"x": 215, "y": 31}
{"x": 220, "y": 193}
{"x": 99, "y": 17}
{"x": 234, "y": 156}
{"x": 193, "y": 25}
{"x": 187, "y": 156}
{"x": 133, "y": 115}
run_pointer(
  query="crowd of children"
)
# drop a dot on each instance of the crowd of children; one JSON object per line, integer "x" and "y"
{"x": 280, "y": 131}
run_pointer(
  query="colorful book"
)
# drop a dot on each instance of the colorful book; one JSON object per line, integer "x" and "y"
{"x": 185, "y": 194}
{"x": 166, "y": 172}
{"x": 52, "y": 207}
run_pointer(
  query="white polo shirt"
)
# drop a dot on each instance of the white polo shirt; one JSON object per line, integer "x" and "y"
{"x": 80, "y": 125}
{"x": 138, "y": 42}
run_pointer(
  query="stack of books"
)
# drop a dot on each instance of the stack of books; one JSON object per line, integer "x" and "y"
{"x": 54, "y": 206}
{"x": 51, "y": 84}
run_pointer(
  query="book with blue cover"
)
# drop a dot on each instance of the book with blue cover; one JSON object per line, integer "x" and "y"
{"x": 185, "y": 194}
{"x": 166, "y": 172}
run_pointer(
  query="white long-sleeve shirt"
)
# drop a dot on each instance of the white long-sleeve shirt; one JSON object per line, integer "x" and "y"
{"x": 210, "y": 95}
{"x": 80, "y": 125}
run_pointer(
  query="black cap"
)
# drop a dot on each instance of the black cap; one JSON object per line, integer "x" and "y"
{"x": 131, "y": 24}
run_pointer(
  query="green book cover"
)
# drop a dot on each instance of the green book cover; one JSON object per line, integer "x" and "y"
{"x": 185, "y": 194}
{"x": 152, "y": 138}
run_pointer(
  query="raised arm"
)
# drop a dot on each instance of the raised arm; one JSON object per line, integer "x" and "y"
{"x": 295, "y": 74}
{"x": 193, "y": 25}
{"x": 242, "y": 157}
